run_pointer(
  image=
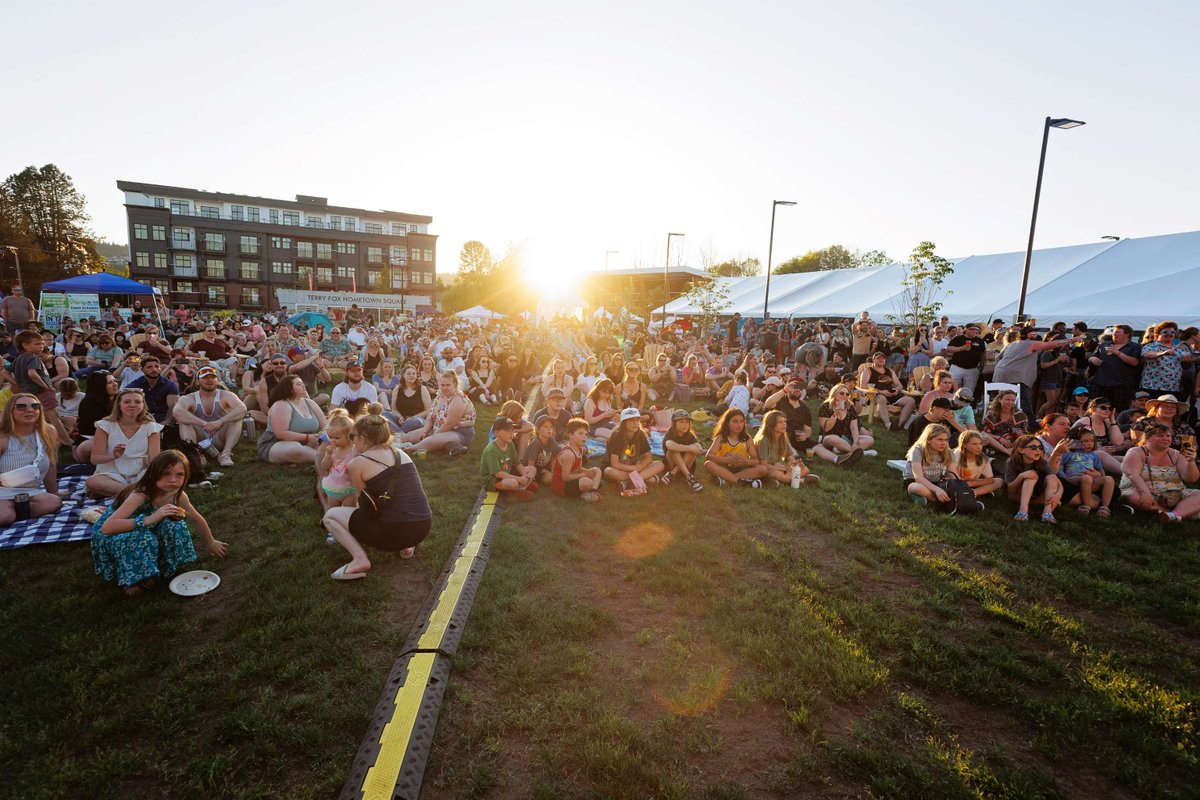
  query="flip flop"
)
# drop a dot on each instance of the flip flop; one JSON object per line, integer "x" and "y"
{"x": 408, "y": 552}
{"x": 340, "y": 574}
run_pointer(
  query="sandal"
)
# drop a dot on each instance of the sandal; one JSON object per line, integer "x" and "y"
{"x": 1021, "y": 516}
{"x": 1169, "y": 518}
{"x": 1103, "y": 512}
{"x": 1084, "y": 510}
{"x": 589, "y": 497}
{"x": 1048, "y": 518}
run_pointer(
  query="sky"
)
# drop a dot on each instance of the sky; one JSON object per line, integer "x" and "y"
{"x": 579, "y": 130}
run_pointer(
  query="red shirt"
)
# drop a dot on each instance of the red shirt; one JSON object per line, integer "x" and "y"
{"x": 216, "y": 349}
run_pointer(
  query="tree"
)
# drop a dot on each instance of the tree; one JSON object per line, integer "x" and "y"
{"x": 920, "y": 300}
{"x": 736, "y": 268}
{"x": 833, "y": 257}
{"x": 711, "y": 297}
{"x": 43, "y": 214}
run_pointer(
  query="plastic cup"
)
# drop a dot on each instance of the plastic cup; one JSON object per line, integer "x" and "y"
{"x": 420, "y": 454}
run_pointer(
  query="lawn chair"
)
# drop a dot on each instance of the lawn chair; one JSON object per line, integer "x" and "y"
{"x": 990, "y": 389}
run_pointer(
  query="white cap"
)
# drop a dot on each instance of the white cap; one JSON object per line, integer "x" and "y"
{"x": 630, "y": 413}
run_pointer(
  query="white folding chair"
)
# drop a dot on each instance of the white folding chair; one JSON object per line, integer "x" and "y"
{"x": 990, "y": 389}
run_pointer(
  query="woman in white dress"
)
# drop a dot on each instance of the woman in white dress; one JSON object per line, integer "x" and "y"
{"x": 125, "y": 442}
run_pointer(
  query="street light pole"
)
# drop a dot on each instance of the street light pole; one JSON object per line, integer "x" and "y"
{"x": 770, "y": 252}
{"x": 17, "y": 256}
{"x": 666, "y": 280}
{"x": 1065, "y": 124}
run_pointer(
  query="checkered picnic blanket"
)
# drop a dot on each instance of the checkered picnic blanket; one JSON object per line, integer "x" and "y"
{"x": 65, "y": 526}
{"x": 597, "y": 447}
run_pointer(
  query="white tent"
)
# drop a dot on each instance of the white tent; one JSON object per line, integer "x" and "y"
{"x": 830, "y": 282}
{"x": 602, "y": 313}
{"x": 853, "y": 298}
{"x": 478, "y": 314}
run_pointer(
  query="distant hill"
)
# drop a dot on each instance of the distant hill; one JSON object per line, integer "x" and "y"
{"x": 108, "y": 250}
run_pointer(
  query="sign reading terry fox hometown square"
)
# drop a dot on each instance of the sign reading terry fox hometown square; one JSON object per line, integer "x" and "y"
{"x": 290, "y": 298}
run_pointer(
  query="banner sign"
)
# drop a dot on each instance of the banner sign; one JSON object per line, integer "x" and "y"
{"x": 82, "y": 306}
{"x": 51, "y": 309}
{"x": 289, "y": 298}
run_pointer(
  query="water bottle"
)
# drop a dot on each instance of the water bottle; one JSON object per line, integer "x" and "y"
{"x": 796, "y": 477}
{"x": 207, "y": 446}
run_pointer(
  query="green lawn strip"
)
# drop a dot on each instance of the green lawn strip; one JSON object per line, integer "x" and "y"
{"x": 261, "y": 689}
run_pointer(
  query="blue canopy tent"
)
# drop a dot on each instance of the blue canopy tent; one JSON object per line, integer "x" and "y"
{"x": 105, "y": 283}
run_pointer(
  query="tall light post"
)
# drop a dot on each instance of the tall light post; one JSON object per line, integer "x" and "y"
{"x": 770, "y": 252}
{"x": 1064, "y": 124}
{"x": 608, "y": 253}
{"x": 666, "y": 281}
{"x": 12, "y": 249}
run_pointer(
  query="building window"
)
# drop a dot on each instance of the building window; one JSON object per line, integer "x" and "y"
{"x": 281, "y": 267}
{"x": 347, "y": 248}
{"x": 314, "y": 222}
{"x": 252, "y": 214}
{"x": 184, "y": 261}
{"x": 214, "y": 241}
{"x": 324, "y": 250}
{"x": 185, "y": 287}
{"x": 249, "y": 245}
{"x": 250, "y": 296}
{"x": 345, "y": 272}
{"x": 274, "y": 213}
{"x": 291, "y": 218}
{"x": 375, "y": 255}
{"x": 160, "y": 260}
{"x": 162, "y": 286}
{"x": 181, "y": 234}
{"x": 158, "y": 232}
{"x": 180, "y": 207}
{"x": 235, "y": 212}
{"x": 160, "y": 202}
{"x": 325, "y": 274}
{"x": 304, "y": 249}
{"x": 373, "y": 227}
{"x": 214, "y": 268}
{"x": 399, "y": 228}
{"x": 216, "y": 294}
{"x": 141, "y": 259}
{"x": 304, "y": 273}
{"x": 139, "y": 231}
{"x": 429, "y": 255}
{"x": 335, "y": 223}
{"x": 250, "y": 271}
{"x": 397, "y": 279}
{"x": 210, "y": 212}
{"x": 399, "y": 255}
{"x": 374, "y": 277}
{"x": 281, "y": 242}
{"x": 351, "y": 224}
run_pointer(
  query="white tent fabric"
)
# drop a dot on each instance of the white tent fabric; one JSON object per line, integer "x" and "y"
{"x": 849, "y": 300}
{"x": 478, "y": 313}
{"x": 683, "y": 305}
{"x": 1139, "y": 282}
{"x": 748, "y": 298}
{"x": 981, "y": 284}
{"x": 830, "y": 282}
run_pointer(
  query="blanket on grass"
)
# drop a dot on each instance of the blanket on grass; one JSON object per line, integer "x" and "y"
{"x": 65, "y": 526}
{"x": 596, "y": 447}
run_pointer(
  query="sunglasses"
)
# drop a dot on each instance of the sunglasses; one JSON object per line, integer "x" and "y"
{"x": 1167, "y": 332}
{"x": 27, "y": 406}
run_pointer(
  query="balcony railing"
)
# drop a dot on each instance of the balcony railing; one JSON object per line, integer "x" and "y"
{"x": 185, "y": 272}
{"x": 359, "y": 228}
{"x": 212, "y": 247}
{"x": 254, "y": 253}
{"x": 183, "y": 244}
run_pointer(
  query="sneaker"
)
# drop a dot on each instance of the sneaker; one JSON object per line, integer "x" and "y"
{"x": 665, "y": 478}
{"x": 1169, "y": 518}
{"x": 653, "y": 479}
{"x": 455, "y": 449}
{"x": 1125, "y": 510}
{"x": 225, "y": 460}
{"x": 870, "y": 453}
{"x": 214, "y": 476}
{"x": 753, "y": 484}
{"x": 696, "y": 485}
{"x": 520, "y": 495}
{"x": 721, "y": 482}
{"x": 981, "y": 506}
{"x": 200, "y": 485}
{"x": 407, "y": 445}
{"x": 918, "y": 500}
{"x": 847, "y": 460}
{"x": 623, "y": 486}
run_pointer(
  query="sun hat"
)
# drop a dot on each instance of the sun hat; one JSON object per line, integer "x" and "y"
{"x": 630, "y": 413}
{"x": 1180, "y": 408}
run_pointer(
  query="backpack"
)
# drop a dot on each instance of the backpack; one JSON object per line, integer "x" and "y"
{"x": 172, "y": 439}
{"x": 962, "y": 496}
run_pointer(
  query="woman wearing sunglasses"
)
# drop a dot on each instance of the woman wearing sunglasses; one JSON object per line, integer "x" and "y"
{"x": 28, "y": 446}
{"x": 1101, "y": 420}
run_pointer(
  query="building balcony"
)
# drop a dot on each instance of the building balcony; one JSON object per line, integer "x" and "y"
{"x": 183, "y": 244}
{"x": 185, "y": 297}
{"x": 185, "y": 272}
{"x": 256, "y": 253}
{"x": 314, "y": 225}
{"x": 209, "y": 247}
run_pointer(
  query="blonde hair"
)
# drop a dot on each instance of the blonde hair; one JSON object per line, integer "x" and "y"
{"x": 513, "y": 410}
{"x": 373, "y": 428}
{"x": 922, "y": 442}
{"x": 339, "y": 419}
{"x": 44, "y": 431}
{"x": 963, "y": 456}
{"x": 115, "y": 414}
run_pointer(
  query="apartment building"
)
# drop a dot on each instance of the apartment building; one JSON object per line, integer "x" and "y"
{"x": 217, "y": 250}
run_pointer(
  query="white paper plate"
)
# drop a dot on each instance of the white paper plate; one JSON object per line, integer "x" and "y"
{"x": 196, "y": 582}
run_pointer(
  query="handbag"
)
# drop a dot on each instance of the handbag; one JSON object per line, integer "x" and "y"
{"x": 27, "y": 476}
{"x": 962, "y": 496}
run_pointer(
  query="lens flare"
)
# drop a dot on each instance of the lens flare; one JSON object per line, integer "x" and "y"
{"x": 643, "y": 540}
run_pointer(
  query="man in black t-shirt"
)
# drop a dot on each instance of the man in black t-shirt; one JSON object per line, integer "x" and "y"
{"x": 966, "y": 356}
{"x": 942, "y": 413}
{"x": 790, "y": 401}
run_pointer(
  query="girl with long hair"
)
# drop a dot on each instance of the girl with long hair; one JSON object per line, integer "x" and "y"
{"x": 1032, "y": 478}
{"x": 972, "y": 465}
{"x": 682, "y": 448}
{"x": 28, "y": 444}
{"x": 926, "y": 466}
{"x": 126, "y": 441}
{"x": 732, "y": 457}
{"x": 410, "y": 400}
{"x": 598, "y": 409}
{"x": 628, "y": 451}
{"x": 777, "y": 453}
{"x": 1004, "y": 422}
{"x": 144, "y": 535}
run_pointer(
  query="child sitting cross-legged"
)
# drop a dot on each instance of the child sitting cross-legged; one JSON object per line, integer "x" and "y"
{"x": 682, "y": 448}
{"x": 570, "y": 478}
{"x": 500, "y": 467}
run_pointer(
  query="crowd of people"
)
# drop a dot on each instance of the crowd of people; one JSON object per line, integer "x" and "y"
{"x": 1102, "y": 422}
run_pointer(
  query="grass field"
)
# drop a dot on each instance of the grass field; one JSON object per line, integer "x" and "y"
{"x": 738, "y": 643}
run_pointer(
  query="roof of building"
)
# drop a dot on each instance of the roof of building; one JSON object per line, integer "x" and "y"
{"x": 309, "y": 203}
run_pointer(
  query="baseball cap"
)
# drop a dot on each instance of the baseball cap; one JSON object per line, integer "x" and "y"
{"x": 502, "y": 424}
{"x": 630, "y": 413}
{"x": 943, "y": 402}
{"x": 680, "y": 413}
{"x": 204, "y": 372}
{"x": 540, "y": 419}
{"x": 964, "y": 395}
{"x": 1080, "y": 390}
{"x": 555, "y": 392}
{"x": 774, "y": 380}
{"x": 354, "y": 365}
{"x": 1140, "y": 395}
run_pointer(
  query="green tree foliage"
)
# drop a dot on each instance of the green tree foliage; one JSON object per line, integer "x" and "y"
{"x": 711, "y": 297}
{"x": 736, "y": 268}
{"x": 485, "y": 280}
{"x": 833, "y": 257}
{"x": 45, "y": 216}
{"x": 922, "y": 295}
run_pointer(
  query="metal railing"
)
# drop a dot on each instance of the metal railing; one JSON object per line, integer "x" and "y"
{"x": 314, "y": 224}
